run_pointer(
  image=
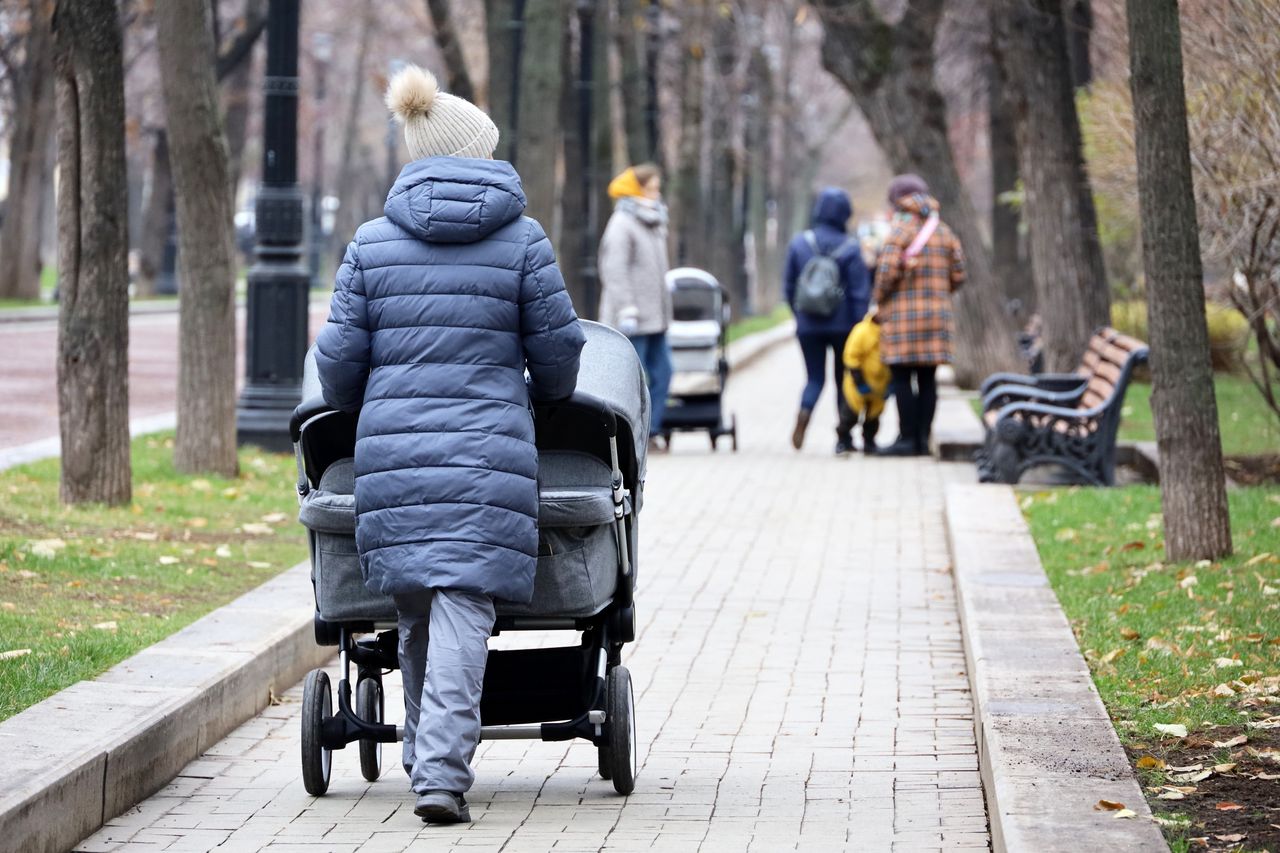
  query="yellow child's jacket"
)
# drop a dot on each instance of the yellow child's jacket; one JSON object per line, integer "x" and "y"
{"x": 862, "y": 352}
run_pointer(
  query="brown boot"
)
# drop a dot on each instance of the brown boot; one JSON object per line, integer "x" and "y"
{"x": 802, "y": 424}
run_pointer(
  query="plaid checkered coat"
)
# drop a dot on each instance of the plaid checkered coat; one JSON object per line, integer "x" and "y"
{"x": 915, "y": 304}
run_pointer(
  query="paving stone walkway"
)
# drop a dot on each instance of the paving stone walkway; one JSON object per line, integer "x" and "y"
{"x": 799, "y": 674}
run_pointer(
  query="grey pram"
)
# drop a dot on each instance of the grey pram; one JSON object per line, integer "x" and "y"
{"x": 591, "y": 475}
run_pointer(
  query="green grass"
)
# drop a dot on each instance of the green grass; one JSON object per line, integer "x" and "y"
{"x": 1158, "y": 636}
{"x": 1248, "y": 426}
{"x": 84, "y": 588}
{"x": 758, "y": 323}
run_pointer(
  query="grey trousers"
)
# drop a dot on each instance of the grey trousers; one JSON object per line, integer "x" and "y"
{"x": 442, "y": 681}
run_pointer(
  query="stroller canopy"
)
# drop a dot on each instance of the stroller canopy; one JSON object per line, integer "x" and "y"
{"x": 696, "y": 296}
{"x": 611, "y": 372}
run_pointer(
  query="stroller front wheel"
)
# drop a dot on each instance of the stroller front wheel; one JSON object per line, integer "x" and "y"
{"x": 621, "y": 754}
{"x": 317, "y": 707}
{"x": 369, "y": 705}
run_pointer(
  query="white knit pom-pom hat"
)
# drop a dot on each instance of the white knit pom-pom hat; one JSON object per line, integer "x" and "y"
{"x": 437, "y": 124}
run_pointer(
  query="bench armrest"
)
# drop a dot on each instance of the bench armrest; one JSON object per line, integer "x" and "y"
{"x": 1002, "y": 395}
{"x": 1047, "y": 381}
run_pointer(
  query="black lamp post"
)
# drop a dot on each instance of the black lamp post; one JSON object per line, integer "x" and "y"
{"x": 276, "y": 340}
{"x": 322, "y": 50}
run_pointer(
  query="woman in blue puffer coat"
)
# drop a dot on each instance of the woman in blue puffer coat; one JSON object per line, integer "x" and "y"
{"x": 827, "y": 235}
{"x": 438, "y": 310}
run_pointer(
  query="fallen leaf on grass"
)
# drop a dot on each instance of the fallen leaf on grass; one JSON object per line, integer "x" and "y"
{"x": 1150, "y": 762}
{"x": 1129, "y": 634}
{"x": 1226, "y": 663}
{"x": 1111, "y": 655}
{"x": 1253, "y": 638}
{"x": 197, "y": 522}
{"x": 1170, "y": 795}
{"x": 1198, "y": 776}
{"x": 8, "y": 605}
{"x": 1261, "y": 558}
{"x": 1125, "y": 813}
{"x": 1228, "y": 807}
{"x": 46, "y": 548}
{"x": 1172, "y": 729}
{"x": 1232, "y": 838}
{"x": 145, "y": 535}
{"x": 258, "y": 564}
{"x": 222, "y": 551}
{"x": 1135, "y": 545}
{"x": 201, "y": 485}
{"x": 1188, "y": 581}
{"x": 1224, "y": 768}
{"x": 1238, "y": 740}
{"x": 1268, "y": 723}
{"x": 167, "y": 561}
{"x": 1223, "y": 689}
{"x": 1190, "y": 768}
{"x": 255, "y": 528}
{"x": 106, "y": 626}
{"x": 14, "y": 653}
{"x": 1272, "y": 755}
{"x": 274, "y": 517}
{"x": 1108, "y": 806}
{"x": 1268, "y": 777}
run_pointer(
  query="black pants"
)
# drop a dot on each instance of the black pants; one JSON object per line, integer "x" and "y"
{"x": 916, "y": 388}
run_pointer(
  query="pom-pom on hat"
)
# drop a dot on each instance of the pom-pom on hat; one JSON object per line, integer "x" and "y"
{"x": 437, "y": 124}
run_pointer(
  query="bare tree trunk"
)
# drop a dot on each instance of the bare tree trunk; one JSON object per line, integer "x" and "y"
{"x": 350, "y": 208}
{"x": 689, "y": 218}
{"x": 759, "y": 152}
{"x": 1079, "y": 23}
{"x": 234, "y": 74}
{"x": 1008, "y": 266}
{"x": 30, "y": 167}
{"x": 889, "y": 71}
{"x": 157, "y": 216}
{"x": 93, "y": 241}
{"x": 574, "y": 198}
{"x": 504, "y": 25}
{"x": 1066, "y": 257}
{"x": 629, "y": 37}
{"x": 455, "y": 63}
{"x": 206, "y": 439}
{"x": 541, "y": 77}
{"x": 724, "y": 214}
{"x": 1197, "y": 525}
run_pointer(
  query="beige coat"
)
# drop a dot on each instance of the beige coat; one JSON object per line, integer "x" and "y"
{"x": 633, "y": 266}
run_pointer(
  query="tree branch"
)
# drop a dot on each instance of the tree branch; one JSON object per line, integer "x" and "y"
{"x": 237, "y": 50}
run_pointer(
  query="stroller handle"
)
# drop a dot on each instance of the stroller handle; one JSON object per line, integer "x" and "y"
{"x": 593, "y": 406}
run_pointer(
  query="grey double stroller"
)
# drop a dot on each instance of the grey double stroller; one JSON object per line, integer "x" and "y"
{"x": 591, "y": 477}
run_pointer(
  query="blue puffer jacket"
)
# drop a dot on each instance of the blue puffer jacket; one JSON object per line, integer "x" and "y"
{"x": 437, "y": 310}
{"x": 831, "y": 212}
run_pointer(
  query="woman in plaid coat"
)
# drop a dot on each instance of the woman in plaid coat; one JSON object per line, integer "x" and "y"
{"x": 920, "y": 265}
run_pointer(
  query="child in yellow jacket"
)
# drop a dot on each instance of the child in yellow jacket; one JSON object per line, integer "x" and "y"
{"x": 866, "y": 379}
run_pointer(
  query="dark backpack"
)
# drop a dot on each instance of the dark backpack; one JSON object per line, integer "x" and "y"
{"x": 820, "y": 290}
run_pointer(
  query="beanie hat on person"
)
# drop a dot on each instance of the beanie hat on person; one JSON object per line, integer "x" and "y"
{"x": 904, "y": 185}
{"x": 437, "y": 124}
{"x": 626, "y": 185}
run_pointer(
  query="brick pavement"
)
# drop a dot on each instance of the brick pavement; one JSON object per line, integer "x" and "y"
{"x": 799, "y": 674}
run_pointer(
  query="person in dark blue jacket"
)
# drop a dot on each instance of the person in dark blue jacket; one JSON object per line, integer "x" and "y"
{"x": 820, "y": 335}
{"x": 439, "y": 308}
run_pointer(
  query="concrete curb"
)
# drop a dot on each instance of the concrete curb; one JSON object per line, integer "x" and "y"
{"x": 745, "y": 351}
{"x": 1046, "y": 747}
{"x": 88, "y": 753}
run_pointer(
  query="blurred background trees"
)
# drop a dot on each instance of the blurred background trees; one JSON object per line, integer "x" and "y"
{"x": 750, "y": 106}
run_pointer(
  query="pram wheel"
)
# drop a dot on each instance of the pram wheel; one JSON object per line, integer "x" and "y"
{"x": 369, "y": 706}
{"x": 317, "y": 706}
{"x": 618, "y": 761}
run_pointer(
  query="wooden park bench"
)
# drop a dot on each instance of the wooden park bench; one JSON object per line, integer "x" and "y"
{"x": 1067, "y": 419}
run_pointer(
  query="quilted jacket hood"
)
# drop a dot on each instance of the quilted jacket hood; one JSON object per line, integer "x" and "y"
{"x": 455, "y": 199}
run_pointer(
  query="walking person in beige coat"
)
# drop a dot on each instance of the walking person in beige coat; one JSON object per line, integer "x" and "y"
{"x": 633, "y": 274}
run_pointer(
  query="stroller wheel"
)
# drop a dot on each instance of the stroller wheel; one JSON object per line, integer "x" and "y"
{"x": 733, "y": 433}
{"x": 621, "y": 713}
{"x": 369, "y": 706}
{"x": 317, "y": 706}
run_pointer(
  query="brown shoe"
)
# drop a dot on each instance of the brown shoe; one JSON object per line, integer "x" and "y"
{"x": 802, "y": 424}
